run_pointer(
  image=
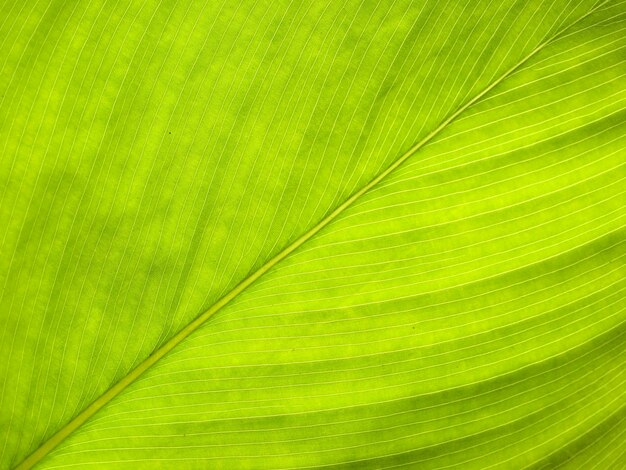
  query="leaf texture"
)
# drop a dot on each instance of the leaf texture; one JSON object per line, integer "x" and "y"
{"x": 460, "y": 304}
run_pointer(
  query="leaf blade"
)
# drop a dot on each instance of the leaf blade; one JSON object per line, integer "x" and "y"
{"x": 330, "y": 299}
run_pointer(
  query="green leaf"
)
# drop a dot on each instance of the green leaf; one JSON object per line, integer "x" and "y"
{"x": 285, "y": 234}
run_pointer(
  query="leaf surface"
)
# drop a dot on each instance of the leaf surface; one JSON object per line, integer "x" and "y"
{"x": 403, "y": 221}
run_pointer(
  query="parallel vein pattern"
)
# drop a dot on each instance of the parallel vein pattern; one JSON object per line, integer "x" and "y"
{"x": 466, "y": 311}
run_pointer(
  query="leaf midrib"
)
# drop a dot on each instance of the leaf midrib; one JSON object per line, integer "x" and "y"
{"x": 116, "y": 389}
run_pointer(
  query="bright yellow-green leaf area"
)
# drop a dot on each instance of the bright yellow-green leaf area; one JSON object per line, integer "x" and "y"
{"x": 285, "y": 234}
